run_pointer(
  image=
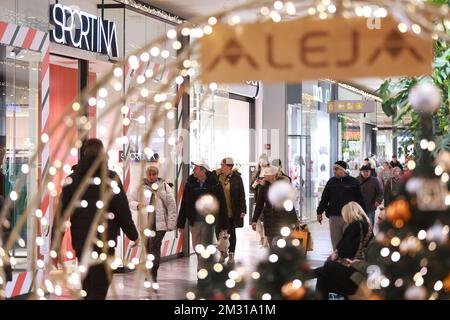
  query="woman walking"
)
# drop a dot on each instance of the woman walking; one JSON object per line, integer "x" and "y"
{"x": 157, "y": 193}
{"x": 233, "y": 188}
{"x": 274, "y": 219}
{"x": 257, "y": 181}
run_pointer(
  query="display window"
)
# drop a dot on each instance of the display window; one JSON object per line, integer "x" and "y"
{"x": 19, "y": 72}
{"x": 309, "y": 140}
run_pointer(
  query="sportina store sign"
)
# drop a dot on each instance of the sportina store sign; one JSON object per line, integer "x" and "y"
{"x": 298, "y": 50}
{"x": 83, "y": 30}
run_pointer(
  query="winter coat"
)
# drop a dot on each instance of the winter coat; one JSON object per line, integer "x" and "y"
{"x": 5, "y": 237}
{"x": 391, "y": 189}
{"x": 348, "y": 246}
{"x": 2, "y": 183}
{"x": 166, "y": 213}
{"x": 274, "y": 219}
{"x": 187, "y": 207}
{"x": 396, "y": 164}
{"x": 82, "y": 218}
{"x": 371, "y": 191}
{"x": 237, "y": 192}
{"x": 337, "y": 193}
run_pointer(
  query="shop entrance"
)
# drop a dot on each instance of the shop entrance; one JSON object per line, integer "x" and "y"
{"x": 219, "y": 128}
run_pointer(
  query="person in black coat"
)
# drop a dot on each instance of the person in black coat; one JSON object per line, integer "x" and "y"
{"x": 236, "y": 206}
{"x": 255, "y": 185}
{"x": 339, "y": 190}
{"x": 336, "y": 274}
{"x": 6, "y": 229}
{"x": 274, "y": 218}
{"x": 395, "y": 163}
{"x": 96, "y": 282}
{"x": 200, "y": 183}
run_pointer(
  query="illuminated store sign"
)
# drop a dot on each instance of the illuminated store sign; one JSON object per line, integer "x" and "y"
{"x": 351, "y": 106}
{"x": 83, "y": 30}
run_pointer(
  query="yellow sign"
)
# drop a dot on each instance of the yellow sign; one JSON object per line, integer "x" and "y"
{"x": 351, "y": 106}
{"x": 311, "y": 49}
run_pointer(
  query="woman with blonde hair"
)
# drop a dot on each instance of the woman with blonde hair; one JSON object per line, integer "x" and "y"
{"x": 156, "y": 192}
{"x": 335, "y": 275}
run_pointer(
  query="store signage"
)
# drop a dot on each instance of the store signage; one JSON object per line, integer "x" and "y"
{"x": 83, "y": 30}
{"x": 246, "y": 88}
{"x": 298, "y": 50}
{"x": 351, "y": 106}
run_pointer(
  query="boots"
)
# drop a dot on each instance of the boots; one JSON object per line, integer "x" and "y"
{"x": 230, "y": 261}
{"x": 223, "y": 256}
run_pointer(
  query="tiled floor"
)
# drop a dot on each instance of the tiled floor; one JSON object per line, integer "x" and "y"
{"x": 177, "y": 276}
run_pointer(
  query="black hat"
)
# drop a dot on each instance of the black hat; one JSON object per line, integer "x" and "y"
{"x": 342, "y": 164}
{"x": 366, "y": 168}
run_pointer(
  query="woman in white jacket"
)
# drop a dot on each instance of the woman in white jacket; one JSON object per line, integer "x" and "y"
{"x": 162, "y": 215}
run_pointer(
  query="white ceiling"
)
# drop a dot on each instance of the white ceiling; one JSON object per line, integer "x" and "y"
{"x": 189, "y": 9}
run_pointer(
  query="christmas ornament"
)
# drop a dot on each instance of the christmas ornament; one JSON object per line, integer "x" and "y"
{"x": 281, "y": 194}
{"x": 415, "y": 293}
{"x": 431, "y": 195}
{"x": 293, "y": 290}
{"x": 436, "y": 233}
{"x": 398, "y": 211}
{"x": 207, "y": 204}
{"x": 443, "y": 160}
{"x": 425, "y": 97}
{"x": 447, "y": 283}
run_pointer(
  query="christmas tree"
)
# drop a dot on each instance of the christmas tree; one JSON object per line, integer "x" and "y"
{"x": 411, "y": 256}
{"x": 284, "y": 275}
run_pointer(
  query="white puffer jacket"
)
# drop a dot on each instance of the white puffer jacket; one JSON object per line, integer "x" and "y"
{"x": 165, "y": 206}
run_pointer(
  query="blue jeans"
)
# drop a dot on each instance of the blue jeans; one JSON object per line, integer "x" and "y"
{"x": 371, "y": 215}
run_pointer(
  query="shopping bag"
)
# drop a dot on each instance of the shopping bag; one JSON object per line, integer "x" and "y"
{"x": 303, "y": 234}
{"x": 224, "y": 241}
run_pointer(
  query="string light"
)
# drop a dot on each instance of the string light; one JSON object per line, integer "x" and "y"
{"x": 171, "y": 34}
{"x": 25, "y": 168}
{"x": 402, "y": 27}
{"x": 176, "y": 45}
{"x": 165, "y": 54}
{"x": 273, "y": 258}
{"x": 278, "y": 5}
{"x": 266, "y": 296}
{"x": 118, "y": 72}
{"x": 154, "y": 51}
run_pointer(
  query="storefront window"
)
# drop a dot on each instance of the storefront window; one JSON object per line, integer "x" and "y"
{"x": 219, "y": 128}
{"x": 350, "y": 141}
{"x": 33, "y": 14}
{"x": 19, "y": 71}
{"x": 309, "y": 146}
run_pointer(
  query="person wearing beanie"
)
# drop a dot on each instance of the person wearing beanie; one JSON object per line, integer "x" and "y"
{"x": 371, "y": 190}
{"x": 339, "y": 190}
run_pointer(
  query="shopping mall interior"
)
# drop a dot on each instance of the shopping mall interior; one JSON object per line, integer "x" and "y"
{"x": 224, "y": 150}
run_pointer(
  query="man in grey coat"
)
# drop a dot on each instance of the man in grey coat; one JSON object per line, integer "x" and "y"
{"x": 371, "y": 190}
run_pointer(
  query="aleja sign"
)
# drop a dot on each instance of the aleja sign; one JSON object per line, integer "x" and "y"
{"x": 83, "y": 30}
{"x": 311, "y": 49}
{"x": 351, "y": 106}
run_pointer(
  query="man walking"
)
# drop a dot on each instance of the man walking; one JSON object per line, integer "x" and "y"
{"x": 372, "y": 192}
{"x": 339, "y": 190}
{"x": 395, "y": 163}
{"x": 200, "y": 183}
{"x": 97, "y": 280}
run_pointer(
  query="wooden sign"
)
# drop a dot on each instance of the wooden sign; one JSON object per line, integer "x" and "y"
{"x": 351, "y": 106}
{"x": 311, "y": 49}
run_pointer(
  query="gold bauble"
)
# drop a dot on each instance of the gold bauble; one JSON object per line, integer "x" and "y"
{"x": 291, "y": 292}
{"x": 398, "y": 212}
